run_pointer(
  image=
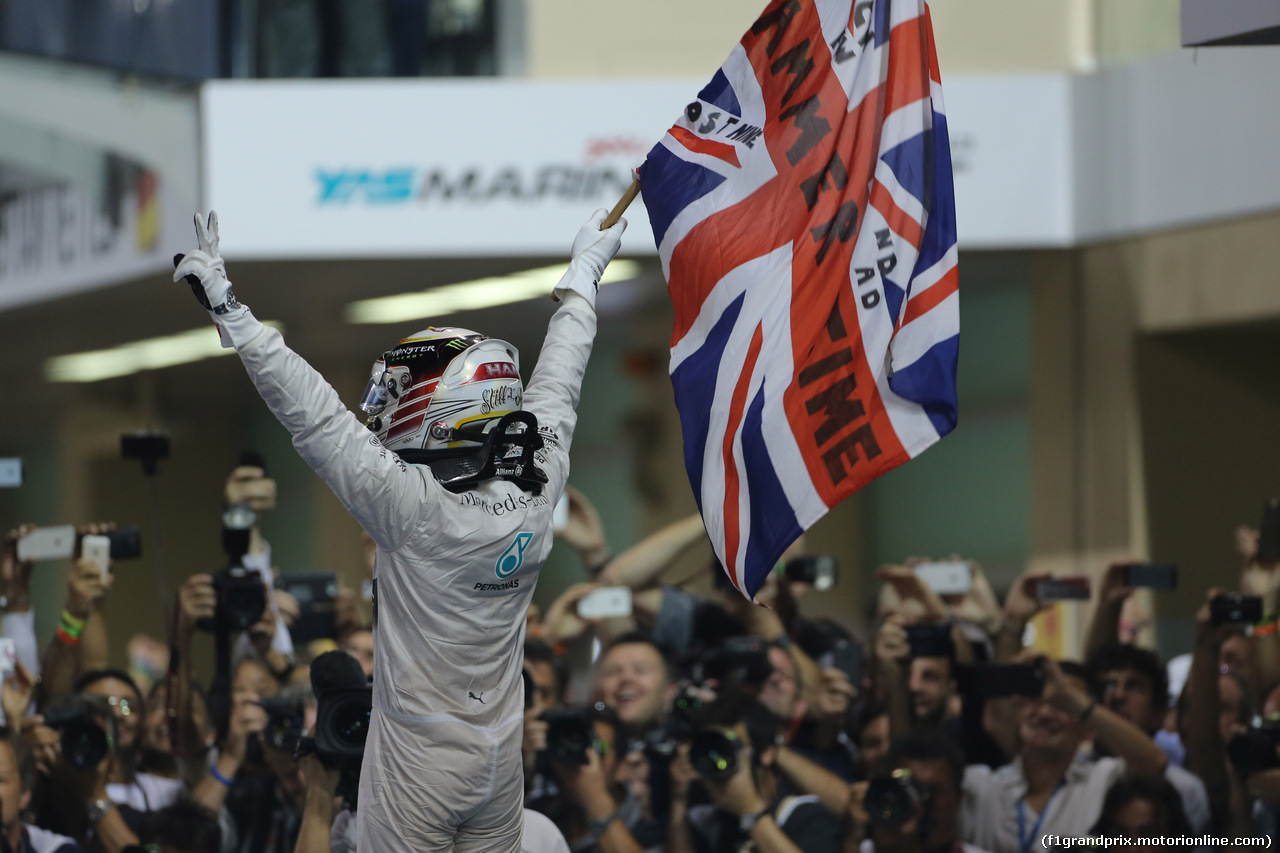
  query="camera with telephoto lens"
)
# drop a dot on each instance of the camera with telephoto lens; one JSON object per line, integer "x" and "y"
{"x": 892, "y": 799}
{"x": 714, "y": 753}
{"x": 1254, "y": 749}
{"x": 241, "y": 597}
{"x": 571, "y": 732}
{"x": 344, "y": 703}
{"x": 86, "y": 729}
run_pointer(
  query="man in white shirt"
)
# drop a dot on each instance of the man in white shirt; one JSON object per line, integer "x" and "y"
{"x": 1132, "y": 682}
{"x": 1049, "y": 788}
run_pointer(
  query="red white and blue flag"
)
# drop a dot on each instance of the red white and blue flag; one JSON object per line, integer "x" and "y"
{"x": 804, "y": 213}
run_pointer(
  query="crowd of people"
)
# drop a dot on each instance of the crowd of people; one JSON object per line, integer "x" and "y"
{"x": 702, "y": 722}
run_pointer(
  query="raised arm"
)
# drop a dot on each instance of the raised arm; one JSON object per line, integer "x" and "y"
{"x": 1200, "y": 726}
{"x": 1020, "y": 606}
{"x": 62, "y": 662}
{"x": 830, "y": 789}
{"x": 375, "y": 485}
{"x": 1104, "y": 627}
{"x": 892, "y": 651}
{"x": 1121, "y": 737}
{"x": 639, "y": 566}
{"x": 556, "y": 384}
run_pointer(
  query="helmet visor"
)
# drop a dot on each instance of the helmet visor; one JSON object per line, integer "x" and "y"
{"x": 376, "y": 395}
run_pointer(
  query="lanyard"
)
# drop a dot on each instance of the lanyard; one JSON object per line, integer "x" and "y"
{"x": 1027, "y": 841}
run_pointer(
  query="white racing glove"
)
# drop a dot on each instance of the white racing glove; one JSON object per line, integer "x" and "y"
{"x": 204, "y": 270}
{"x": 592, "y": 251}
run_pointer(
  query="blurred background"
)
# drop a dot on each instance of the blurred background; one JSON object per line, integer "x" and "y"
{"x": 1118, "y": 201}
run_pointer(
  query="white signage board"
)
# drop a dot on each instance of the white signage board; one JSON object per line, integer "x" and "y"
{"x": 57, "y": 240}
{"x": 513, "y": 167}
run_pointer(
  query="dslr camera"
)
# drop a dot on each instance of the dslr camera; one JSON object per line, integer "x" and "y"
{"x": 241, "y": 596}
{"x": 892, "y": 799}
{"x": 737, "y": 660}
{"x": 715, "y": 754}
{"x": 1254, "y": 749}
{"x": 571, "y": 732}
{"x": 84, "y": 738}
{"x": 285, "y": 723}
{"x": 344, "y": 702}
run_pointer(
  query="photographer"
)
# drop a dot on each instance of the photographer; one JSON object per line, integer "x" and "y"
{"x": 80, "y": 772}
{"x": 126, "y": 788}
{"x": 80, "y": 642}
{"x": 1133, "y": 683}
{"x": 734, "y": 758}
{"x": 17, "y": 775}
{"x": 1050, "y": 788}
{"x": 915, "y": 808}
{"x": 1207, "y": 722}
{"x": 814, "y": 717}
{"x": 259, "y": 785}
{"x": 634, "y": 678}
{"x": 591, "y": 809}
{"x": 248, "y": 485}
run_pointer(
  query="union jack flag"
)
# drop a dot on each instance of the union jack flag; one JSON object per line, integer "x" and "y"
{"x": 805, "y": 217}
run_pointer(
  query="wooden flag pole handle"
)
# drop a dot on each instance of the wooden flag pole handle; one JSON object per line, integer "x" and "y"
{"x": 623, "y": 203}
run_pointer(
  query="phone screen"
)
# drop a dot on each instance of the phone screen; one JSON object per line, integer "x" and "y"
{"x": 1063, "y": 589}
{"x": 949, "y": 577}
{"x": 1152, "y": 575}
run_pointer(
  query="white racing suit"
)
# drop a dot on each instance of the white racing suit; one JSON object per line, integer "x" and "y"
{"x": 454, "y": 576}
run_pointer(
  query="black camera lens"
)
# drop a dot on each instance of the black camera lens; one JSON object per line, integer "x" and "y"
{"x": 714, "y": 754}
{"x": 1254, "y": 750}
{"x": 351, "y": 724}
{"x": 84, "y": 744}
{"x": 892, "y": 800}
{"x": 570, "y": 733}
{"x": 282, "y": 732}
{"x": 243, "y": 599}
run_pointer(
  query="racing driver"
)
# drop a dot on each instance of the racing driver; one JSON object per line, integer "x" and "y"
{"x": 454, "y": 475}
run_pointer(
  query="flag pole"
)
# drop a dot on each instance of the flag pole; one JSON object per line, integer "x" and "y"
{"x": 623, "y": 203}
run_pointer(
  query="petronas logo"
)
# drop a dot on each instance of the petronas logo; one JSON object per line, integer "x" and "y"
{"x": 513, "y": 558}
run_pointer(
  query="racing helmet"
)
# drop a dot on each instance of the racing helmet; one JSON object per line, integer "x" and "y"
{"x": 441, "y": 388}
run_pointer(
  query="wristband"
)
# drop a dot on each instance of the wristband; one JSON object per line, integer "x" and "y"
{"x": 213, "y": 770}
{"x": 73, "y": 625}
{"x": 64, "y": 637}
{"x": 1267, "y": 629}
